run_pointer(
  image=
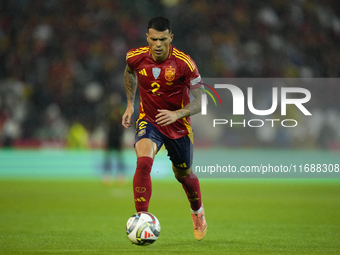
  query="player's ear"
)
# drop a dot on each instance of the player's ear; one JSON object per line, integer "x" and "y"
{"x": 171, "y": 37}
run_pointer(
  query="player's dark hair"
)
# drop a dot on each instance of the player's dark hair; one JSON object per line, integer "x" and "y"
{"x": 160, "y": 24}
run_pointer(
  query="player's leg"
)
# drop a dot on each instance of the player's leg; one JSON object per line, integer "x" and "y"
{"x": 192, "y": 188}
{"x": 146, "y": 150}
{"x": 181, "y": 154}
{"x": 147, "y": 144}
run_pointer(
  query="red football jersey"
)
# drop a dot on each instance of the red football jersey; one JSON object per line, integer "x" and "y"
{"x": 164, "y": 85}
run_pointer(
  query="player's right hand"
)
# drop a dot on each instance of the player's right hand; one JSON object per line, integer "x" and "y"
{"x": 126, "y": 119}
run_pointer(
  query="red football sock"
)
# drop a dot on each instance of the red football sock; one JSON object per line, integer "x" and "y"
{"x": 142, "y": 183}
{"x": 192, "y": 188}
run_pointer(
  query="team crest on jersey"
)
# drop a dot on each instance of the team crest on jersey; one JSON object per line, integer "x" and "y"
{"x": 170, "y": 73}
{"x": 156, "y": 72}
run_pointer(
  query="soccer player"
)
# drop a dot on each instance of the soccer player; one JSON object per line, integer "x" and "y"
{"x": 164, "y": 75}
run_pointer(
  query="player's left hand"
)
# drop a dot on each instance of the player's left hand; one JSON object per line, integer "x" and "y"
{"x": 166, "y": 117}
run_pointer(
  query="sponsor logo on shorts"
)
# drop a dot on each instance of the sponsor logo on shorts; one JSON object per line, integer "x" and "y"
{"x": 141, "y": 133}
{"x": 183, "y": 165}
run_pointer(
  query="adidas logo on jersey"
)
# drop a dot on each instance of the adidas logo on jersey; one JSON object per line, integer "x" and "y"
{"x": 143, "y": 72}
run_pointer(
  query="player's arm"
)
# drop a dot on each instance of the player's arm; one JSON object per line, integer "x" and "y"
{"x": 130, "y": 80}
{"x": 166, "y": 117}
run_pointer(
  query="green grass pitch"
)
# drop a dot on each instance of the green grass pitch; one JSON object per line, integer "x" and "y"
{"x": 263, "y": 216}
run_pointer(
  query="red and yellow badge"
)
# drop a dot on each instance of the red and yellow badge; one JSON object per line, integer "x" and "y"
{"x": 170, "y": 73}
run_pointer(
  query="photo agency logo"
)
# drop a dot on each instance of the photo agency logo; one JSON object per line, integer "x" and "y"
{"x": 281, "y": 99}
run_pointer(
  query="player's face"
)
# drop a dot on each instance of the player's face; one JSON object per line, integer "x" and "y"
{"x": 159, "y": 43}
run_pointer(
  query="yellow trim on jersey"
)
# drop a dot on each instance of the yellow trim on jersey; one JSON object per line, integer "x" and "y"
{"x": 136, "y": 52}
{"x": 186, "y": 61}
{"x": 184, "y": 55}
{"x": 185, "y": 58}
{"x": 141, "y": 104}
{"x": 170, "y": 52}
{"x": 188, "y": 126}
{"x": 142, "y": 114}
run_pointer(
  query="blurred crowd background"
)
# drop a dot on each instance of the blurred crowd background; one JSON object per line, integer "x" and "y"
{"x": 62, "y": 61}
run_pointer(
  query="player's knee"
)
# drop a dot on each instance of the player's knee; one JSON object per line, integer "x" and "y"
{"x": 144, "y": 164}
{"x": 181, "y": 173}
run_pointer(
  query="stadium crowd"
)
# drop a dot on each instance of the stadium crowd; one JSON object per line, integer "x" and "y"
{"x": 60, "y": 60}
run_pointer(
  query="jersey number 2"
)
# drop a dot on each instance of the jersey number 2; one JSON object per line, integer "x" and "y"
{"x": 156, "y": 87}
